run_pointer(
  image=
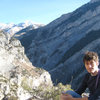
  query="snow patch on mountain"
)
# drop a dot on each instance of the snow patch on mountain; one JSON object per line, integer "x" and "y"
{"x": 12, "y": 28}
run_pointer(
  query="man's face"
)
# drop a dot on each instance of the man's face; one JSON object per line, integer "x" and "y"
{"x": 91, "y": 66}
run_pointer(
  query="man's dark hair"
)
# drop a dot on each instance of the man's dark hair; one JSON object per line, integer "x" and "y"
{"x": 90, "y": 56}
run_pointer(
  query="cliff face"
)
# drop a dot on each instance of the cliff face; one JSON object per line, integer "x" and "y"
{"x": 59, "y": 46}
{"x": 17, "y": 75}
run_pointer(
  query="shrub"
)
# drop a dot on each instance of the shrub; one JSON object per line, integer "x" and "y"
{"x": 51, "y": 93}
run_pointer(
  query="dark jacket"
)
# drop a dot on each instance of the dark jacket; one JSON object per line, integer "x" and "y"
{"x": 90, "y": 83}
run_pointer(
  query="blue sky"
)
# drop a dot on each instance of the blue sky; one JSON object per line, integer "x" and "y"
{"x": 39, "y": 11}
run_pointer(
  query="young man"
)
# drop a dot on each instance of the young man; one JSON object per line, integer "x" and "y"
{"x": 90, "y": 81}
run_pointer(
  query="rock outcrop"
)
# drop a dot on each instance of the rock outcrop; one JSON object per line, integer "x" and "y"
{"x": 18, "y": 78}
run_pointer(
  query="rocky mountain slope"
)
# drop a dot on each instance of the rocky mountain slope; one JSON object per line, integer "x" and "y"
{"x": 19, "y": 80}
{"x": 59, "y": 46}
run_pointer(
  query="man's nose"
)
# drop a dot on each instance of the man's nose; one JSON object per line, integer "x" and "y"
{"x": 90, "y": 66}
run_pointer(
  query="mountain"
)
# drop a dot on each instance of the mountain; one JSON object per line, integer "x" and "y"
{"x": 19, "y": 80}
{"x": 59, "y": 46}
{"x": 12, "y": 29}
{"x": 92, "y": 1}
